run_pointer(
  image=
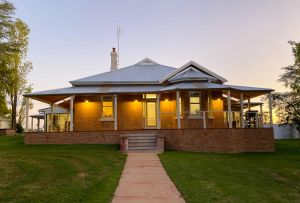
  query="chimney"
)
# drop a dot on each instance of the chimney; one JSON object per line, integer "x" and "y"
{"x": 114, "y": 59}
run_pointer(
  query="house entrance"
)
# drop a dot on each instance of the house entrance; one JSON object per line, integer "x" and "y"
{"x": 150, "y": 111}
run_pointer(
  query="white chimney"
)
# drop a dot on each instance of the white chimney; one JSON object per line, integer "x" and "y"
{"x": 114, "y": 59}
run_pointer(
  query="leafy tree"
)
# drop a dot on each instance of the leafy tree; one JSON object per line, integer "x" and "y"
{"x": 287, "y": 104}
{"x": 6, "y": 47}
{"x": 15, "y": 67}
{"x": 7, "y": 11}
{"x": 3, "y": 107}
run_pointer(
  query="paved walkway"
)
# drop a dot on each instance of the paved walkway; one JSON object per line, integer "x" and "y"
{"x": 144, "y": 180}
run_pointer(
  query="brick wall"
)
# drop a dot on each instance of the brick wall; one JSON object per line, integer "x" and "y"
{"x": 101, "y": 137}
{"x": 196, "y": 140}
{"x": 7, "y": 132}
{"x": 221, "y": 140}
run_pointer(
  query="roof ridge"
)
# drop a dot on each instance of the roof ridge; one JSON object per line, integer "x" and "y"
{"x": 147, "y": 61}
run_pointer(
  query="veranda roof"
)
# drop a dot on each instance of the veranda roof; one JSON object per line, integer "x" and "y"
{"x": 51, "y": 96}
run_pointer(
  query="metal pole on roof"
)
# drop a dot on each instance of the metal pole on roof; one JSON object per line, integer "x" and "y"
{"x": 118, "y": 41}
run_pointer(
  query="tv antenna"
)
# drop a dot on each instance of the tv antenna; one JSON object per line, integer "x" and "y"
{"x": 118, "y": 41}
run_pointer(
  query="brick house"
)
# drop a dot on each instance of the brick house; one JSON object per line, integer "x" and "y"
{"x": 147, "y": 98}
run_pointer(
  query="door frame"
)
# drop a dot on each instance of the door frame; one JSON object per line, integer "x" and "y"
{"x": 145, "y": 113}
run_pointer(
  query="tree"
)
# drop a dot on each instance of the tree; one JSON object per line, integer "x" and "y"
{"x": 21, "y": 114}
{"x": 6, "y": 48}
{"x": 15, "y": 67}
{"x": 7, "y": 11}
{"x": 3, "y": 107}
{"x": 287, "y": 104}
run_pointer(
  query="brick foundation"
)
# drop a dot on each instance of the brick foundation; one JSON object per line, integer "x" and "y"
{"x": 103, "y": 137}
{"x": 195, "y": 140}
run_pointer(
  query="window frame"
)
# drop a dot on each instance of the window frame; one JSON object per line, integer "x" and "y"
{"x": 195, "y": 115}
{"x": 107, "y": 118}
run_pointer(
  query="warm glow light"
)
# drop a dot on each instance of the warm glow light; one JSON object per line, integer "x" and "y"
{"x": 218, "y": 99}
{"x": 135, "y": 100}
{"x": 86, "y": 101}
{"x": 166, "y": 100}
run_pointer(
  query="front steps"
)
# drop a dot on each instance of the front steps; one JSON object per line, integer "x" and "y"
{"x": 142, "y": 143}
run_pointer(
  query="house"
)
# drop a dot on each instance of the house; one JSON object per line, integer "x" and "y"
{"x": 149, "y": 97}
{"x": 4, "y": 123}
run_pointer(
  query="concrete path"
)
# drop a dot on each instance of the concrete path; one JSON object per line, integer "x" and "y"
{"x": 144, "y": 180}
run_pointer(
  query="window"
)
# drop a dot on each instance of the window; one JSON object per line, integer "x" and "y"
{"x": 107, "y": 107}
{"x": 194, "y": 103}
{"x": 150, "y": 96}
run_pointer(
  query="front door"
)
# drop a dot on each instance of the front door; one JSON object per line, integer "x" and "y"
{"x": 151, "y": 117}
{"x": 150, "y": 110}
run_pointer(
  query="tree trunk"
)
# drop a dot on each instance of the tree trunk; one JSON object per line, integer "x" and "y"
{"x": 14, "y": 111}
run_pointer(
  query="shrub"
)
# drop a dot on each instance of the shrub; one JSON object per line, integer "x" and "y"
{"x": 19, "y": 128}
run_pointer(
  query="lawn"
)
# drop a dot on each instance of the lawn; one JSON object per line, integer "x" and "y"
{"x": 246, "y": 177}
{"x": 58, "y": 173}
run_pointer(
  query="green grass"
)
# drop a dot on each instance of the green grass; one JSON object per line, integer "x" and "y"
{"x": 58, "y": 173}
{"x": 246, "y": 177}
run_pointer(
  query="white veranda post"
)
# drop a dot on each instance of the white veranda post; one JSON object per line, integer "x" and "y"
{"x": 229, "y": 109}
{"x": 115, "y": 112}
{"x": 242, "y": 111}
{"x": 158, "y": 111}
{"x": 72, "y": 113}
{"x": 26, "y": 113}
{"x": 178, "y": 110}
{"x": 51, "y": 118}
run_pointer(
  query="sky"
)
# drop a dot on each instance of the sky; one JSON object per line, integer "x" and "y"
{"x": 243, "y": 41}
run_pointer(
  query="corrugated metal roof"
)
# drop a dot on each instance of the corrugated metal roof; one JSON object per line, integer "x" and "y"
{"x": 56, "y": 110}
{"x": 143, "y": 88}
{"x": 247, "y": 88}
{"x": 146, "y": 71}
{"x": 99, "y": 90}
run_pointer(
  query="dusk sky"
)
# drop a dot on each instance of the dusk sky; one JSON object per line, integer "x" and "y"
{"x": 243, "y": 41}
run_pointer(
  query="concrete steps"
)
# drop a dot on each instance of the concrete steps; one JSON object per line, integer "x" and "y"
{"x": 142, "y": 142}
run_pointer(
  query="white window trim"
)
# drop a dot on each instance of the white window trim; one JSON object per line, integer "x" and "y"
{"x": 107, "y": 118}
{"x": 195, "y": 116}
